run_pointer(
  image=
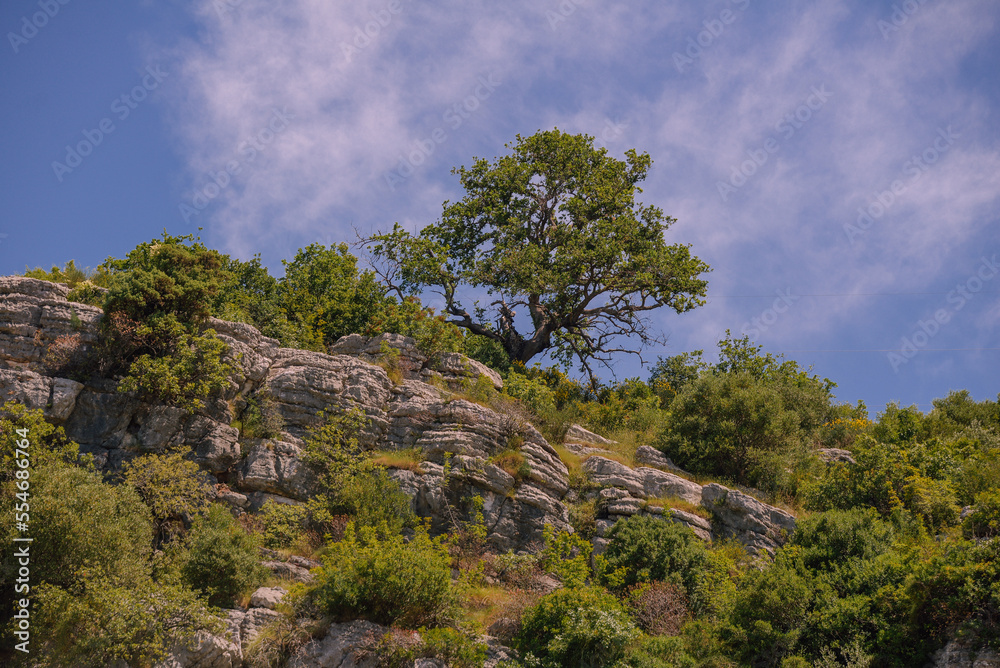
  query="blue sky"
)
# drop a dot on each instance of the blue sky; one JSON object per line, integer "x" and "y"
{"x": 837, "y": 163}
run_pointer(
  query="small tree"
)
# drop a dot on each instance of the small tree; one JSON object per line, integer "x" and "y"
{"x": 554, "y": 229}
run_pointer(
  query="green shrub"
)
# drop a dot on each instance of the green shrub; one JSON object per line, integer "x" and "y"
{"x": 381, "y": 577}
{"x": 567, "y": 556}
{"x": 532, "y": 392}
{"x": 223, "y": 560}
{"x": 260, "y": 417}
{"x": 107, "y": 623}
{"x": 283, "y": 523}
{"x": 46, "y": 444}
{"x": 184, "y": 376}
{"x": 169, "y": 484}
{"x": 350, "y": 482}
{"x": 984, "y": 520}
{"x": 584, "y": 627}
{"x": 454, "y": 648}
{"x": 649, "y": 549}
{"x": 658, "y": 652}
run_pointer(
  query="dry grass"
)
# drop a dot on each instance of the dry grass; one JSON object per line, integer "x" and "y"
{"x": 408, "y": 459}
{"x": 511, "y": 461}
{"x": 498, "y": 610}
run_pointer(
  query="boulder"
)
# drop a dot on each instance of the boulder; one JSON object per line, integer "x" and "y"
{"x": 835, "y": 456}
{"x": 643, "y": 482}
{"x": 267, "y": 597}
{"x": 347, "y": 645}
{"x": 207, "y": 651}
{"x": 273, "y": 466}
{"x": 762, "y": 528}
{"x": 577, "y": 434}
{"x": 963, "y": 654}
{"x": 648, "y": 456}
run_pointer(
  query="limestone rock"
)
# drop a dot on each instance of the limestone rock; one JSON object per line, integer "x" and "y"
{"x": 25, "y": 386}
{"x": 958, "y": 654}
{"x": 458, "y": 365}
{"x": 207, "y": 651}
{"x": 762, "y": 528}
{"x": 577, "y": 434}
{"x": 267, "y": 597}
{"x": 699, "y": 525}
{"x": 835, "y": 456}
{"x": 653, "y": 457}
{"x": 22, "y": 286}
{"x": 274, "y": 466}
{"x": 252, "y": 622}
{"x": 64, "y": 394}
{"x": 643, "y": 482}
{"x": 344, "y": 646}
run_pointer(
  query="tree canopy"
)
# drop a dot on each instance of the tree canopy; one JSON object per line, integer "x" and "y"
{"x": 554, "y": 229}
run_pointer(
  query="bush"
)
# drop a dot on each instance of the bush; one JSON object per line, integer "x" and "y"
{"x": 567, "y": 556}
{"x": 84, "y": 530}
{"x": 381, "y": 577}
{"x": 350, "y": 482}
{"x": 584, "y": 627}
{"x": 532, "y": 392}
{"x": 282, "y": 523}
{"x": 984, "y": 520}
{"x": 399, "y": 649}
{"x": 108, "y": 623}
{"x": 170, "y": 485}
{"x": 735, "y": 426}
{"x": 47, "y": 444}
{"x": 260, "y": 417}
{"x": 325, "y": 296}
{"x": 223, "y": 560}
{"x": 649, "y": 549}
{"x": 185, "y": 375}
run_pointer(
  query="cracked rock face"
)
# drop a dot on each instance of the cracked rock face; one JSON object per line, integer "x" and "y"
{"x": 303, "y": 385}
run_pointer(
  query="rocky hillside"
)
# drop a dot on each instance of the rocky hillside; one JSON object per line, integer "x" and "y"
{"x": 422, "y": 409}
{"x": 412, "y": 404}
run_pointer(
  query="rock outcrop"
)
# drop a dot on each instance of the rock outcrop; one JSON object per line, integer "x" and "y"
{"x": 959, "y": 654}
{"x": 420, "y": 410}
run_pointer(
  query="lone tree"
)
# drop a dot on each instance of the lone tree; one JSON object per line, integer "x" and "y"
{"x": 553, "y": 229}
